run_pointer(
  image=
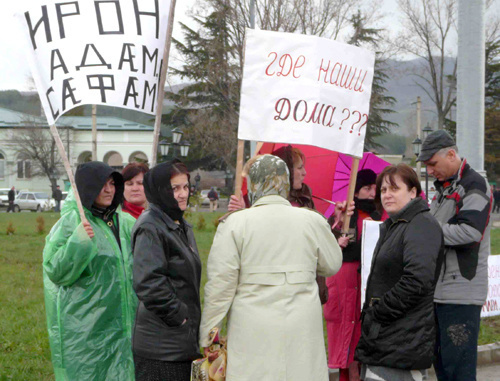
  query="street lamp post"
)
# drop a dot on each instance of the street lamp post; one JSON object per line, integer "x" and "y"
{"x": 416, "y": 150}
{"x": 426, "y": 131}
{"x": 175, "y": 144}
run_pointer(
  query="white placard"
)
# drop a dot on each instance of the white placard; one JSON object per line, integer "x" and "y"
{"x": 370, "y": 235}
{"x": 492, "y": 305}
{"x": 305, "y": 90}
{"x": 96, "y": 52}
{"x": 371, "y": 232}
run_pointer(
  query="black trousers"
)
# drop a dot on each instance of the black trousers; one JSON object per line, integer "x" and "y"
{"x": 456, "y": 343}
{"x": 11, "y": 207}
{"x": 157, "y": 370}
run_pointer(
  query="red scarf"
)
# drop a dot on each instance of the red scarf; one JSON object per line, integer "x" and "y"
{"x": 132, "y": 209}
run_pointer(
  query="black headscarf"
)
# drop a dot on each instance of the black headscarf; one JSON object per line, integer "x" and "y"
{"x": 159, "y": 191}
{"x": 90, "y": 178}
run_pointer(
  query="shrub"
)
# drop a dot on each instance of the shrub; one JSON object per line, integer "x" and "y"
{"x": 40, "y": 227}
{"x": 201, "y": 224}
{"x": 10, "y": 229}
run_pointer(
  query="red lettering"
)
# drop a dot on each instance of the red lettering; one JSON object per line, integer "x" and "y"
{"x": 267, "y": 70}
{"x": 280, "y": 109}
{"x": 315, "y": 118}
{"x": 329, "y": 124}
{"x": 324, "y": 70}
{"x": 296, "y": 108}
{"x": 298, "y": 65}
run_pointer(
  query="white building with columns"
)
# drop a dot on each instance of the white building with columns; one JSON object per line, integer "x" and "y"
{"x": 119, "y": 142}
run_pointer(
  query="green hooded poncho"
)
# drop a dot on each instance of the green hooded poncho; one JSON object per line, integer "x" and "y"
{"x": 89, "y": 300}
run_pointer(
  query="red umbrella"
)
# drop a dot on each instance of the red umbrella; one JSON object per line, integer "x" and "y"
{"x": 320, "y": 167}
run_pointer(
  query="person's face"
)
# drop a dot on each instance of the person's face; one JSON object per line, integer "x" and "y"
{"x": 134, "y": 190}
{"x": 367, "y": 192}
{"x": 105, "y": 197}
{"x": 180, "y": 186}
{"x": 441, "y": 166}
{"x": 299, "y": 173}
{"x": 395, "y": 198}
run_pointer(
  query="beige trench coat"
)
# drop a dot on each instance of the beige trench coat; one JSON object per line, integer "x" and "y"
{"x": 262, "y": 274}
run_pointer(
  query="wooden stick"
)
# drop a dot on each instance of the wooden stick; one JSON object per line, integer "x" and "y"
{"x": 239, "y": 168}
{"x": 94, "y": 133}
{"x": 257, "y": 148}
{"x": 161, "y": 89}
{"x": 69, "y": 171}
{"x": 350, "y": 194}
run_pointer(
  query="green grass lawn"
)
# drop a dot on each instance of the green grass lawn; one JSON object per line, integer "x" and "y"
{"x": 24, "y": 347}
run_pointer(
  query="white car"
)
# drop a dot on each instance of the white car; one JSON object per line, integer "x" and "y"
{"x": 34, "y": 201}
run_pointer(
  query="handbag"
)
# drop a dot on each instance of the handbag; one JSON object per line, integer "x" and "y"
{"x": 213, "y": 366}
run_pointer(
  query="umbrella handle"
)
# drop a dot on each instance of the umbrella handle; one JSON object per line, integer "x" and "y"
{"x": 350, "y": 193}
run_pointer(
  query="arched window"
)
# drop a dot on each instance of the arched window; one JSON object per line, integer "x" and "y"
{"x": 84, "y": 157}
{"x": 2, "y": 166}
{"x": 23, "y": 167}
{"x": 138, "y": 157}
{"x": 114, "y": 160}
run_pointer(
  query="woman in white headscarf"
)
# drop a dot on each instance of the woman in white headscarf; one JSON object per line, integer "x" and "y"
{"x": 262, "y": 275}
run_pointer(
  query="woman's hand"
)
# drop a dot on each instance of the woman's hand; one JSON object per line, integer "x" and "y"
{"x": 88, "y": 229}
{"x": 235, "y": 203}
{"x": 343, "y": 241}
{"x": 341, "y": 210}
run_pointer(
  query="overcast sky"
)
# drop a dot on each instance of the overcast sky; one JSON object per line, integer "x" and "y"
{"x": 14, "y": 69}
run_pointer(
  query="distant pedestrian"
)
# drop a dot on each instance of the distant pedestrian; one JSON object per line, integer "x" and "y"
{"x": 496, "y": 196}
{"x": 12, "y": 197}
{"x": 462, "y": 207}
{"x": 197, "y": 180}
{"x": 213, "y": 197}
{"x": 57, "y": 196}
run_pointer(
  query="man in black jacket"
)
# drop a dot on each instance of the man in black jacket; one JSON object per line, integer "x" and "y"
{"x": 12, "y": 197}
{"x": 57, "y": 196}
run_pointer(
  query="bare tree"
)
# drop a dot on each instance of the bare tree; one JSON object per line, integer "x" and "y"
{"x": 428, "y": 25}
{"x": 34, "y": 142}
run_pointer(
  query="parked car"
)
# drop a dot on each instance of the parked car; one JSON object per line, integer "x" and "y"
{"x": 34, "y": 201}
{"x": 4, "y": 197}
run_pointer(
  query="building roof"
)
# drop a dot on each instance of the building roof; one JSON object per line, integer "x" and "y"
{"x": 12, "y": 119}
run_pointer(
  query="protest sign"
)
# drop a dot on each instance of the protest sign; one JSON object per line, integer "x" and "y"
{"x": 492, "y": 305}
{"x": 96, "y": 52}
{"x": 305, "y": 90}
{"x": 371, "y": 232}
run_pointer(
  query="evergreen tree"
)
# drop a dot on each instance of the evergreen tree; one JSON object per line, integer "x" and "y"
{"x": 380, "y": 102}
{"x": 208, "y": 106}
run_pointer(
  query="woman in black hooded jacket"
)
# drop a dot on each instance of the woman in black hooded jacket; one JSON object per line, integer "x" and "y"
{"x": 167, "y": 274}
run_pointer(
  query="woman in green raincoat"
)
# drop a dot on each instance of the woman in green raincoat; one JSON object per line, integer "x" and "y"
{"x": 87, "y": 274}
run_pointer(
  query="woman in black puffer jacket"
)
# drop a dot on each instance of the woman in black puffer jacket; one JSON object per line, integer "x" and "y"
{"x": 398, "y": 326}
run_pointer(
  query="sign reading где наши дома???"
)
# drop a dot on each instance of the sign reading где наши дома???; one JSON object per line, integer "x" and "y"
{"x": 305, "y": 90}
{"x": 96, "y": 52}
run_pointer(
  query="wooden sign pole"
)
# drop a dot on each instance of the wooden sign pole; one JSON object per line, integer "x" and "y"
{"x": 161, "y": 85}
{"x": 94, "y": 133}
{"x": 350, "y": 194}
{"x": 239, "y": 168}
{"x": 69, "y": 171}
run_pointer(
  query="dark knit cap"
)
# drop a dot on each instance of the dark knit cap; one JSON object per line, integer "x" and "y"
{"x": 365, "y": 177}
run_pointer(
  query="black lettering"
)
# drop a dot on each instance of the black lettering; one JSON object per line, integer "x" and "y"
{"x": 138, "y": 14}
{"x": 131, "y": 92}
{"x": 54, "y": 114}
{"x": 119, "y": 17}
{"x": 127, "y": 51}
{"x": 98, "y": 55}
{"x": 149, "y": 91}
{"x": 68, "y": 92}
{"x": 151, "y": 57}
{"x": 60, "y": 15}
{"x": 45, "y": 20}
{"x": 53, "y": 67}
{"x": 101, "y": 86}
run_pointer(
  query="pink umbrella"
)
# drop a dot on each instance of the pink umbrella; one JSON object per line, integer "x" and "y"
{"x": 343, "y": 171}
